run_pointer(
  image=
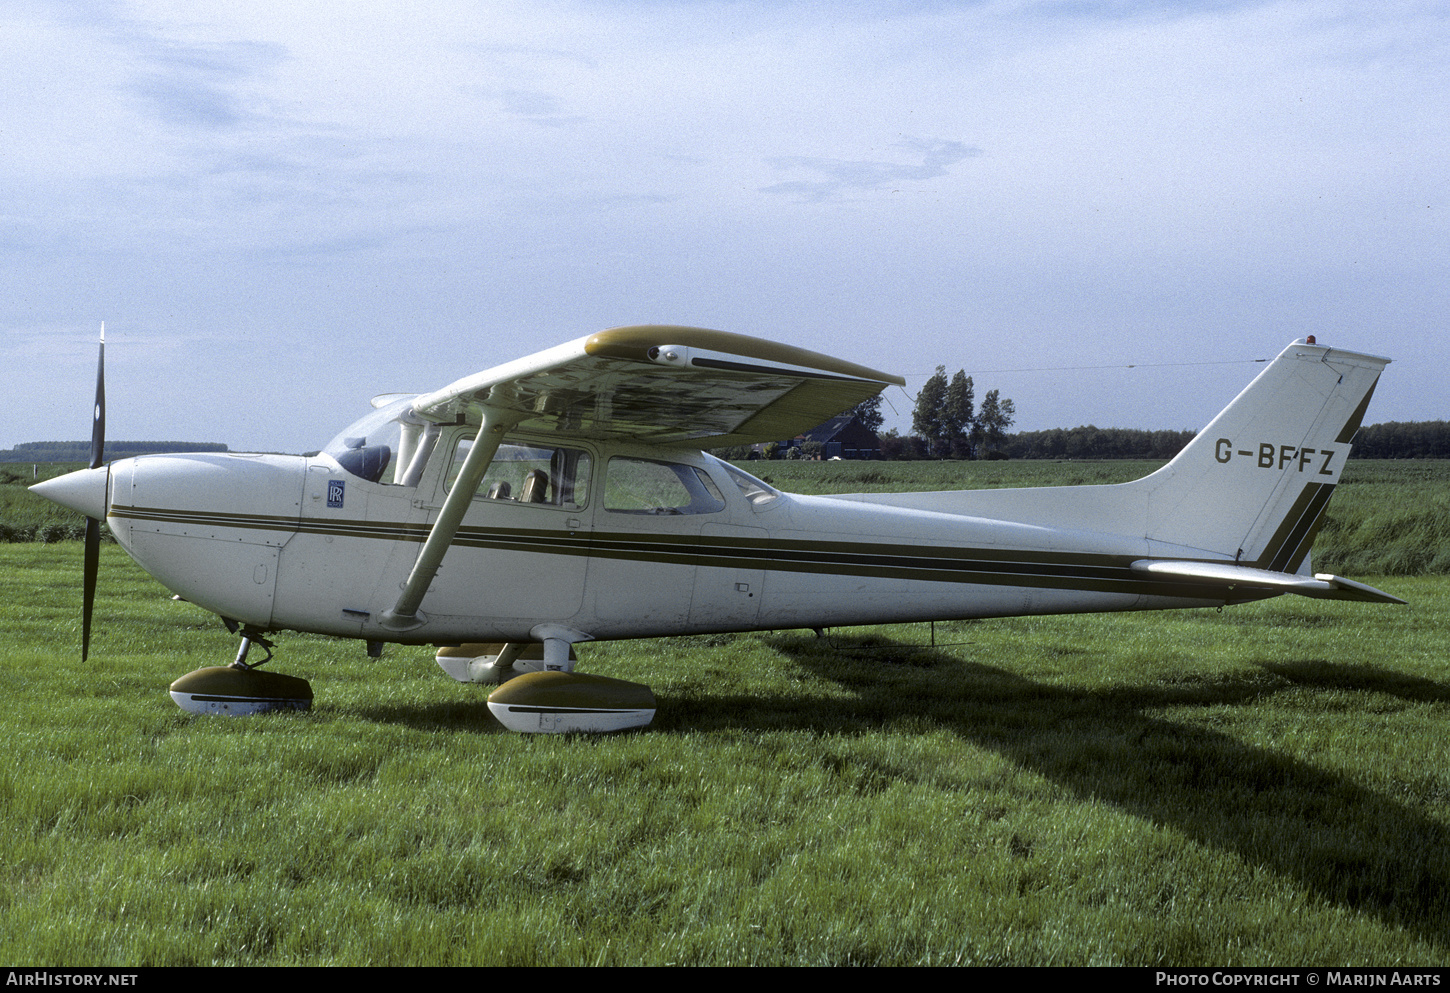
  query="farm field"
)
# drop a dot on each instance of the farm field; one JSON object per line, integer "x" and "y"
{"x": 1267, "y": 785}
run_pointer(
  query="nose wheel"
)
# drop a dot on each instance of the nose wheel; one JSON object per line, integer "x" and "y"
{"x": 240, "y": 689}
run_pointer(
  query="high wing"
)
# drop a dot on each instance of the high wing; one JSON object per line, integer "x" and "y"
{"x": 664, "y": 384}
{"x": 652, "y": 383}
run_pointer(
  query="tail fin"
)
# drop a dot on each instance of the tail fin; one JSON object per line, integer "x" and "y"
{"x": 1255, "y": 482}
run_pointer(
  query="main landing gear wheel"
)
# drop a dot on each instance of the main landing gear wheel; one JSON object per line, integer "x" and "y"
{"x": 238, "y": 690}
{"x": 534, "y": 700}
{"x": 564, "y": 702}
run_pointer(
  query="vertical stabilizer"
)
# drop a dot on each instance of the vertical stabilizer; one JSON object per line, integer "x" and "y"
{"x": 1255, "y": 482}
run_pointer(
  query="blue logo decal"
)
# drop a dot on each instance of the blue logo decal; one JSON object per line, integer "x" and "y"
{"x": 334, "y": 492}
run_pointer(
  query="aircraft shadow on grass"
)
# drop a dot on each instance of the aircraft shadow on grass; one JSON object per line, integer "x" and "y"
{"x": 1348, "y": 845}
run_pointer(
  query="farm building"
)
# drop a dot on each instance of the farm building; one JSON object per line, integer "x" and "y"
{"x": 843, "y": 436}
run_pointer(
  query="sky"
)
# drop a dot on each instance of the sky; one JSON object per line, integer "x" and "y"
{"x": 1107, "y": 211}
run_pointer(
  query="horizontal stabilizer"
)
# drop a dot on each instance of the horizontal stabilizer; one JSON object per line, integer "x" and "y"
{"x": 1230, "y": 576}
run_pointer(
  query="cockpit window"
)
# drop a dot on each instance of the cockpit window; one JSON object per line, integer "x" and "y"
{"x": 644, "y": 486}
{"x": 388, "y": 445}
{"x": 531, "y": 474}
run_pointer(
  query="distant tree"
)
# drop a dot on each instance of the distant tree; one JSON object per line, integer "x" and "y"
{"x": 891, "y": 445}
{"x": 915, "y": 448}
{"x": 959, "y": 415}
{"x": 868, "y": 413}
{"x": 944, "y": 417}
{"x": 995, "y": 417}
{"x": 927, "y": 415}
{"x": 906, "y": 448}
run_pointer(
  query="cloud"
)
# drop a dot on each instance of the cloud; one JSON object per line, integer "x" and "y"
{"x": 197, "y": 86}
{"x": 836, "y": 177}
{"x": 536, "y": 107}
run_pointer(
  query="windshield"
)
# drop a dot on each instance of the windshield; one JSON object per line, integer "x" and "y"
{"x": 388, "y": 445}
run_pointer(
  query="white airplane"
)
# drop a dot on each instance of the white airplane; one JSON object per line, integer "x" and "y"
{"x": 563, "y": 498}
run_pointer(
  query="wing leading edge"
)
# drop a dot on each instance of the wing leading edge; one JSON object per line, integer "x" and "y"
{"x": 664, "y": 384}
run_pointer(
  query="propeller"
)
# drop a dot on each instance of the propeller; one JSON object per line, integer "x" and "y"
{"x": 92, "y": 561}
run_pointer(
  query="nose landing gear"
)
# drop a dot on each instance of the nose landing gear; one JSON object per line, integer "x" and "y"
{"x": 240, "y": 689}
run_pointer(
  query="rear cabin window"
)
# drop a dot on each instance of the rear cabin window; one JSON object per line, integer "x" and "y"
{"x": 758, "y": 493}
{"x": 645, "y": 486}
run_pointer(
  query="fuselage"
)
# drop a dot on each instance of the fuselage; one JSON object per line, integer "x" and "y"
{"x": 612, "y": 540}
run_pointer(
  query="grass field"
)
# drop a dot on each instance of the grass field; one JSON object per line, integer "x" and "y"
{"x": 1265, "y": 785}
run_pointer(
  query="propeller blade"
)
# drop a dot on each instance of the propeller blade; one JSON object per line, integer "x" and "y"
{"x": 88, "y": 581}
{"x": 98, "y": 423}
{"x": 91, "y": 563}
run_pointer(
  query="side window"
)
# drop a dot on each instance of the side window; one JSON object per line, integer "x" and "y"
{"x": 530, "y": 474}
{"x": 758, "y": 493}
{"x": 644, "y": 486}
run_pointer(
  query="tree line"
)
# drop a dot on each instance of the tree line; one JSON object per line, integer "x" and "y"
{"x": 1090, "y": 442}
{"x": 1403, "y": 440}
{"x": 1391, "y": 440}
{"x": 947, "y": 424}
{"x": 80, "y": 451}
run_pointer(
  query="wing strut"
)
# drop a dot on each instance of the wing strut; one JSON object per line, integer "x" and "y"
{"x": 404, "y": 614}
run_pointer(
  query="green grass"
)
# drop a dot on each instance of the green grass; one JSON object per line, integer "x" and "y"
{"x": 1389, "y": 518}
{"x": 1265, "y": 785}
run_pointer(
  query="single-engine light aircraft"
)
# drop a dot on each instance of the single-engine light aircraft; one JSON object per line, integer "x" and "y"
{"x": 563, "y": 497}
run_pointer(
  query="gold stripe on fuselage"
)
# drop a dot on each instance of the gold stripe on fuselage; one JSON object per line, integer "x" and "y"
{"x": 1081, "y": 571}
